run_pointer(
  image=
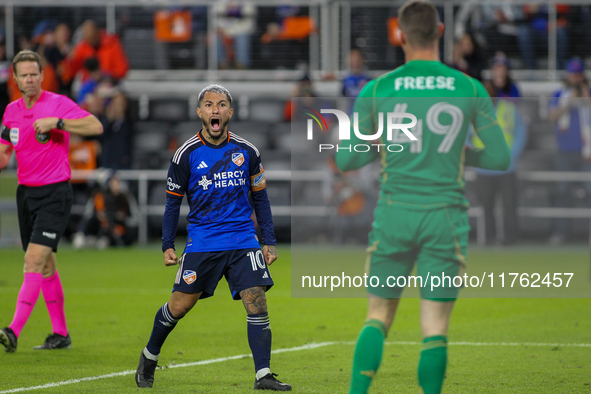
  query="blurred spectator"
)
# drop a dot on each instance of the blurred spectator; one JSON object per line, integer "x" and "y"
{"x": 303, "y": 89}
{"x": 117, "y": 135}
{"x": 352, "y": 195}
{"x": 491, "y": 184}
{"x": 285, "y": 42}
{"x": 106, "y": 48}
{"x": 83, "y": 157}
{"x": 95, "y": 75}
{"x": 502, "y": 84}
{"x": 56, "y": 47}
{"x": 236, "y": 22}
{"x": 357, "y": 76}
{"x": 5, "y": 76}
{"x": 83, "y": 154}
{"x": 108, "y": 218}
{"x": 533, "y": 33}
{"x": 468, "y": 56}
{"x": 94, "y": 103}
{"x": 180, "y": 38}
{"x": 495, "y": 24}
{"x": 570, "y": 109}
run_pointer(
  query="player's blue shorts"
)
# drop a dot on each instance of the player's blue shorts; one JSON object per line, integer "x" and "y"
{"x": 201, "y": 271}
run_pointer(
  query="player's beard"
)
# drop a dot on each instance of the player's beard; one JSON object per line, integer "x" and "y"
{"x": 218, "y": 134}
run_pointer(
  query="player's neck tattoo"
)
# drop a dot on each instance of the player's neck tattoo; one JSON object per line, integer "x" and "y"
{"x": 215, "y": 140}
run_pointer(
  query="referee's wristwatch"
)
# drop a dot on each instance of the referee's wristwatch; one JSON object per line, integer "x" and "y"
{"x": 60, "y": 124}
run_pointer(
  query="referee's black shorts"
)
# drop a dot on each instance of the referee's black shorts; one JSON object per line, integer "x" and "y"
{"x": 43, "y": 213}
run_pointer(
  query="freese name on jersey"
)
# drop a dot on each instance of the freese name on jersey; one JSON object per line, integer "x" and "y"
{"x": 430, "y": 82}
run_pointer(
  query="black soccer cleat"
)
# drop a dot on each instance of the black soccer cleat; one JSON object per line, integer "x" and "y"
{"x": 269, "y": 382}
{"x": 144, "y": 376}
{"x": 8, "y": 339}
{"x": 55, "y": 341}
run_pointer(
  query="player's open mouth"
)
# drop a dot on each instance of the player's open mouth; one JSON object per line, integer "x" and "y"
{"x": 215, "y": 124}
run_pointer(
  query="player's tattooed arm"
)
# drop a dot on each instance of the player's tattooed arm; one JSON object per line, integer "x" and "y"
{"x": 270, "y": 253}
{"x": 170, "y": 257}
{"x": 254, "y": 300}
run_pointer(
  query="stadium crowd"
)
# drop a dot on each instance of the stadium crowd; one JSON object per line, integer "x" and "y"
{"x": 84, "y": 62}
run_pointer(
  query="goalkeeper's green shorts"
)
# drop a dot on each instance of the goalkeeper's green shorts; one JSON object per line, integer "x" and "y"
{"x": 436, "y": 239}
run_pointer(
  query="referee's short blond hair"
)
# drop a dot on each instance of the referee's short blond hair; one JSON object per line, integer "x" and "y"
{"x": 27, "y": 56}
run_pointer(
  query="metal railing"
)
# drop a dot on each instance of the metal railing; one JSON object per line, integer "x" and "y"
{"x": 329, "y": 46}
{"x": 145, "y": 209}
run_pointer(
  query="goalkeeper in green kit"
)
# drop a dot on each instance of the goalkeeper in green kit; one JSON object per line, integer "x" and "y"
{"x": 421, "y": 216}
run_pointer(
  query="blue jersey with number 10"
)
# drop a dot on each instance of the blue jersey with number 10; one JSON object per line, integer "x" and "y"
{"x": 217, "y": 180}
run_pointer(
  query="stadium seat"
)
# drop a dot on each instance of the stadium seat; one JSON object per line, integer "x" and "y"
{"x": 536, "y": 160}
{"x": 543, "y": 141}
{"x": 157, "y": 198}
{"x": 254, "y": 132}
{"x": 151, "y": 145}
{"x": 185, "y": 130}
{"x": 133, "y": 109}
{"x": 529, "y": 107}
{"x": 535, "y": 195}
{"x": 139, "y": 47}
{"x": 169, "y": 109}
{"x": 276, "y": 131}
{"x": 266, "y": 109}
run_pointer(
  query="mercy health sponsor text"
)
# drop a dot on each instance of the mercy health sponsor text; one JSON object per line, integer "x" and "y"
{"x": 441, "y": 280}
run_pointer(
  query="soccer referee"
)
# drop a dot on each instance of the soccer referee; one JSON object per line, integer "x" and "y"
{"x": 217, "y": 170}
{"x": 37, "y": 127}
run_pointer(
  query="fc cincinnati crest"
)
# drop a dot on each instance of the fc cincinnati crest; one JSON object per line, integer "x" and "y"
{"x": 189, "y": 276}
{"x": 14, "y": 136}
{"x": 238, "y": 158}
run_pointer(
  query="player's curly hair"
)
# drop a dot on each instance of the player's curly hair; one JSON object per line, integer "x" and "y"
{"x": 27, "y": 56}
{"x": 214, "y": 88}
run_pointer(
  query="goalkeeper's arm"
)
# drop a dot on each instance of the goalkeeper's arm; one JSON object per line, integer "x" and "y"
{"x": 496, "y": 155}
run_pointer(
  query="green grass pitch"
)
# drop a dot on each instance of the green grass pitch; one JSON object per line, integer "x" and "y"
{"x": 112, "y": 296}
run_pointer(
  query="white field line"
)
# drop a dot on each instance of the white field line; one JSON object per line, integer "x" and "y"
{"x": 131, "y": 372}
{"x": 292, "y": 349}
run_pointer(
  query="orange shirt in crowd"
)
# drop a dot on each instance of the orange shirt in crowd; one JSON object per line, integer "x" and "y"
{"x": 110, "y": 54}
{"x": 83, "y": 156}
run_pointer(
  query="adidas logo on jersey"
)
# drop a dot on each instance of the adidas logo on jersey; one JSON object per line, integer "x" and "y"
{"x": 202, "y": 165}
{"x": 265, "y": 275}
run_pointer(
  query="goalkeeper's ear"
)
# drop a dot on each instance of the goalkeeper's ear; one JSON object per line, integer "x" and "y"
{"x": 5, "y": 133}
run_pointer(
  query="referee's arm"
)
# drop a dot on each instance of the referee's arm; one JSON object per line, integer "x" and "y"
{"x": 5, "y": 153}
{"x": 87, "y": 126}
{"x": 5, "y": 149}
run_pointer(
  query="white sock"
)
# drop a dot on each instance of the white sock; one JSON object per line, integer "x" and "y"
{"x": 262, "y": 372}
{"x": 150, "y": 355}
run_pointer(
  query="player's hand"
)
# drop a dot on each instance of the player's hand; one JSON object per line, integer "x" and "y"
{"x": 270, "y": 253}
{"x": 170, "y": 257}
{"x": 45, "y": 125}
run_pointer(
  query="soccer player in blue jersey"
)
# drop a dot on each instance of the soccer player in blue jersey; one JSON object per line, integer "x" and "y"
{"x": 217, "y": 169}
